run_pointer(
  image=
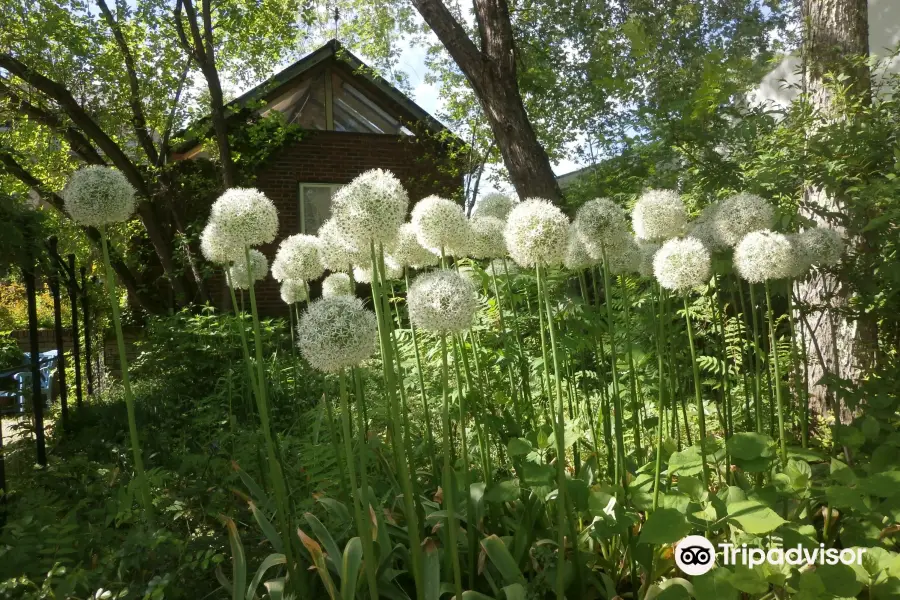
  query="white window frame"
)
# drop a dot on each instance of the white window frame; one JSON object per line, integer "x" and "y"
{"x": 301, "y": 188}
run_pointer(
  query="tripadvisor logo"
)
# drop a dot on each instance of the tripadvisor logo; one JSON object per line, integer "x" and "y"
{"x": 696, "y": 555}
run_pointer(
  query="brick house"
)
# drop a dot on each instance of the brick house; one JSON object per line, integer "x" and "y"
{"x": 353, "y": 121}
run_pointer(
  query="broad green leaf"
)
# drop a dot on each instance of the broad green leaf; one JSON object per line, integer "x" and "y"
{"x": 845, "y": 497}
{"x": 503, "y": 491}
{"x": 664, "y": 526}
{"x": 839, "y": 580}
{"x": 238, "y": 561}
{"x": 754, "y": 517}
{"x": 748, "y": 580}
{"x": 350, "y": 568}
{"x": 267, "y": 528}
{"x": 269, "y": 562}
{"x": 518, "y": 447}
{"x": 318, "y": 560}
{"x": 324, "y": 537}
{"x": 715, "y": 585}
{"x": 431, "y": 570}
{"x": 883, "y": 485}
{"x": 842, "y": 473}
{"x": 686, "y": 462}
{"x": 501, "y": 558}
{"x": 515, "y": 591}
{"x": 750, "y": 445}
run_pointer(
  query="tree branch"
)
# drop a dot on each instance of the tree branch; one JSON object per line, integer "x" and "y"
{"x": 452, "y": 36}
{"x": 137, "y": 109}
{"x": 170, "y": 121}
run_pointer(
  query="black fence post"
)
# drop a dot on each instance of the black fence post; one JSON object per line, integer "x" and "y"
{"x": 58, "y": 330}
{"x": 37, "y": 397}
{"x": 86, "y": 315}
{"x": 76, "y": 346}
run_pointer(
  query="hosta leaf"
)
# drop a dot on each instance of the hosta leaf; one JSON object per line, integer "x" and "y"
{"x": 749, "y": 445}
{"x": 754, "y": 517}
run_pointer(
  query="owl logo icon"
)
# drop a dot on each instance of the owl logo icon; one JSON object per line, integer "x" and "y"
{"x": 695, "y": 555}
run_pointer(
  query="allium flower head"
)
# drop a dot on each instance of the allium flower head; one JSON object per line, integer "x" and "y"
{"x": 440, "y": 224}
{"x": 494, "y": 205}
{"x": 741, "y": 214}
{"x": 442, "y": 301}
{"x": 245, "y": 216}
{"x": 408, "y": 252}
{"x": 298, "y": 257}
{"x": 597, "y": 222}
{"x": 704, "y": 228}
{"x": 294, "y": 291}
{"x": 487, "y": 239}
{"x": 239, "y": 275}
{"x": 764, "y": 255}
{"x": 216, "y": 248}
{"x": 337, "y": 332}
{"x": 822, "y": 246}
{"x": 659, "y": 215}
{"x": 536, "y": 233}
{"x": 96, "y": 196}
{"x": 646, "y": 250}
{"x": 338, "y": 253}
{"x": 623, "y": 254}
{"x": 370, "y": 208}
{"x": 393, "y": 271}
{"x": 682, "y": 264}
{"x": 577, "y": 257}
{"x": 336, "y": 284}
{"x": 800, "y": 262}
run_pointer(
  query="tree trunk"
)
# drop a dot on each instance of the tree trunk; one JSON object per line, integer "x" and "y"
{"x": 491, "y": 70}
{"x": 836, "y": 33}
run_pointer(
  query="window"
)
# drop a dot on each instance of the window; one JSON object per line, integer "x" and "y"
{"x": 315, "y": 205}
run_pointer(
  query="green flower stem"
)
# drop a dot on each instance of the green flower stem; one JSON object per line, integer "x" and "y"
{"x": 262, "y": 404}
{"x": 429, "y": 433}
{"x": 632, "y": 376}
{"x": 245, "y": 348}
{"x": 512, "y": 386}
{"x": 757, "y": 358}
{"x": 140, "y": 474}
{"x": 545, "y": 373}
{"x": 804, "y": 382}
{"x": 621, "y": 476}
{"x": 360, "y": 508}
{"x": 743, "y": 336}
{"x": 701, "y": 414}
{"x": 397, "y": 439}
{"x": 524, "y": 372}
{"x": 661, "y": 398}
{"x": 719, "y": 307}
{"x": 561, "y": 502}
{"x": 459, "y": 353}
{"x": 777, "y": 361}
{"x": 449, "y": 495}
{"x": 338, "y": 458}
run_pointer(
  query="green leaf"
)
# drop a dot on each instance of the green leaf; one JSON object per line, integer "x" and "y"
{"x": 534, "y": 475}
{"x": 686, "y": 462}
{"x": 883, "y": 485}
{"x": 664, "y": 526}
{"x": 324, "y": 537}
{"x": 515, "y": 591}
{"x": 842, "y": 473}
{"x": 431, "y": 570}
{"x": 715, "y": 584}
{"x": 238, "y": 561}
{"x": 269, "y": 562}
{"x": 318, "y": 560}
{"x": 750, "y": 445}
{"x": 350, "y": 568}
{"x": 503, "y": 491}
{"x": 839, "y": 580}
{"x": 754, "y": 517}
{"x": 845, "y": 497}
{"x": 518, "y": 447}
{"x": 501, "y": 558}
{"x": 267, "y": 528}
{"x": 748, "y": 580}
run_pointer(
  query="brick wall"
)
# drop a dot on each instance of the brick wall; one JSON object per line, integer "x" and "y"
{"x": 338, "y": 157}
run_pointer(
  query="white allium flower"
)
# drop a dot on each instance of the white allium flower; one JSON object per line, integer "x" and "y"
{"x": 494, "y": 205}
{"x": 442, "y": 301}
{"x": 822, "y": 246}
{"x": 659, "y": 215}
{"x": 370, "y": 208}
{"x": 623, "y": 254}
{"x": 487, "y": 239}
{"x": 392, "y": 271}
{"x": 245, "y": 216}
{"x": 298, "y": 257}
{"x": 337, "y": 253}
{"x": 337, "y": 332}
{"x": 741, "y": 214}
{"x": 800, "y": 262}
{"x": 704, "y": 228}
{"x": 577, "y": 257}
{"x": 294, "y": 291}
{"x": 682, "y": 264}
{"x": 440, "y": 224}
{"x": 336, "y": 284}
{"x": 597, "y": 222}
{"x": 537, "y": 233}
{"x": 238, "y": 275}
{"x": 96, "y": 196}
{"x": 216, "y": 248}
{"x": 646, "y": 250}
{"x": 763, "y": 255}
{"x": 408, "y": 252}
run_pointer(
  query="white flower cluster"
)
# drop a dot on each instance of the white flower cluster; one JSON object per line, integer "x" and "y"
{"x": 337, "y": 332}
{"x": 442, "y": 301}
{"x": 441, "y": 224}
{"x": 763, "y": 255}
{"x": 370, "y": 208}
{"x": 739, "y": 215}
{"x": 659, "y": 215}
{"x": 623, "y": 254}
{"x": 393, "y": 271}
{"x": 216, "y": 248}
{"x": 682, "y": 264}
{"x": 97, "y": 196}
{"x": 487, "y": 239}
{"x": 245, "y": 217}
{"x": 703, "y": 228}
{"x": 336, "y": 284}
{"x": 298, "y": 258}
{"x": 598, "y": 222}
{"x": 577, "y": 257}
{"x": 239, "y": 275}
{"x": 336, "y": 252}
{"x": 537, "y": 233}
{"x": 646, "y": 251}
{"x": 294, "y": 291}
{"x": 821, "y": 246}
{"x": 494, "y": 205}
{"x": 800, "y": 262}
{"x": 408, "y": 252}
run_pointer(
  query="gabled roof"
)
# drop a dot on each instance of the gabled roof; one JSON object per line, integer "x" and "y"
{"x": 348, "y": 63}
